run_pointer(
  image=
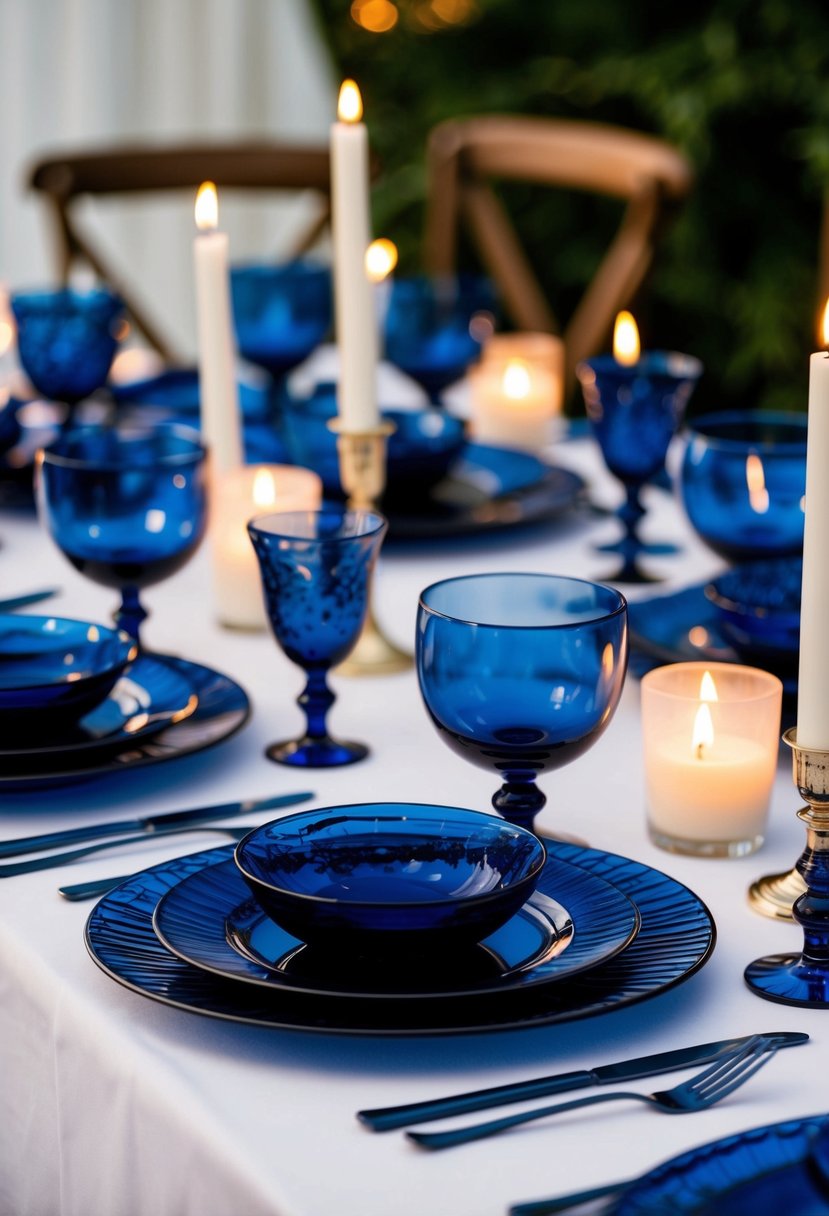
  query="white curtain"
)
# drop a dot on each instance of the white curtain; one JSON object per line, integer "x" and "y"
{"x": 74, "y": 73}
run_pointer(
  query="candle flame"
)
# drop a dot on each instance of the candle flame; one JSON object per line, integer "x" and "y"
{"x": 207, "y": 207}
{"x": 516, "y": 382}
{"x": 626, "y": 340}
{"x": 824, "y": 324}
{"x": 707, "y": 688}
{"x": 381, "y": 259}
{"x": 350, "y": 103}
{"x": 264, "y": 488}
{"x": 758, "y": 495}
{"x": 703, "y": 735}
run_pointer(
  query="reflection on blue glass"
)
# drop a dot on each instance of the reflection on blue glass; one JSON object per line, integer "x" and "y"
{"x": 434, "y": 327}
{"x": 66, "y": 340}
{"x": 126, "y": 505}
{"x": 744, "y": 481}
{"x": 281, "y": 313}
{"x": 521, "y": 673}
{"x": 316, "y": 567}
{"x": 396, "y": 874}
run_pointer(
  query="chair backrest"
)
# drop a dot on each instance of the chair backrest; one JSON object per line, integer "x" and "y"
{"x": 143, "y": 169}
{"x": 465, "y": 156}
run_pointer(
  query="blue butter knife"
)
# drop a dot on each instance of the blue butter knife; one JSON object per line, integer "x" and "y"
{"x": 384, "y": 1119}
{"x": 148, "y": 824}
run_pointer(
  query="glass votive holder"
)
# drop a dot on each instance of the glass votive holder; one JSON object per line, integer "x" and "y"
{"x": 711, "y": 733}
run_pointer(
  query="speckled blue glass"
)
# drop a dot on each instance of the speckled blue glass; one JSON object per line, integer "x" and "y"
{"x": 66, "y": 339}
{"x": 127, "y": 505}
{"x": 434, "y": 327}
{"x": 634, "y": 413}
{"x": 396, "y": 875}
{"x": 316, "y": 567}
{"x": 744, "y": 481}
{"x": 281, "y": 313}
{"x": 521, "y": 673}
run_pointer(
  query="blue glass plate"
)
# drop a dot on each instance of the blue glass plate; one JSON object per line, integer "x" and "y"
{"x": 210, "y": 921}
{"x": 755, "y": 1173}
{"x": 675, "y": 939}
{"x": 221, "y": 709}
{"x": 177, "y": 389}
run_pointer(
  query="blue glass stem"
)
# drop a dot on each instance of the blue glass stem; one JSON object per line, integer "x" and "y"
{"x": 811, "y": 910}
{"x": 631, "y": 513}
{"x": 315, "y": 700}
{"x": 519, "y": 802}
{"x": 131, "y": 613}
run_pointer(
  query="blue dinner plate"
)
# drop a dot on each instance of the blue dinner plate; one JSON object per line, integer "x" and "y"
{"x": 177, "y": 390}
{"x": 676, "y": 938}
{"x": 219, "y": 707}
{"x": 210, "y": 921}
{"x": 762, "y": 1172}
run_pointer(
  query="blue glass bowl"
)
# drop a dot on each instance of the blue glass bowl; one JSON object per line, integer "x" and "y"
{"x": 54, "y": 670}
{"x": 391, "y": 876}
{"x": 281, "y": 313}
{"x": 424, "y": 446}
{"x": 743, "y": 483}
{"x": 759, "y": 606}
{"x": 66, "y": 339}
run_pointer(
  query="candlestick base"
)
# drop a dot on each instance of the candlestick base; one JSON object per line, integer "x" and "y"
{"x": 803, "y": 979}
{"x": 774, "y": 895}
{"x": 362, "y": 456}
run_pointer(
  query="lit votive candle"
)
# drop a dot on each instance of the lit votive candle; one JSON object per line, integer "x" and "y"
{"x": 514, "y": 399}
{"x": 238, "y": 495}
{"x": 711, "y": 734}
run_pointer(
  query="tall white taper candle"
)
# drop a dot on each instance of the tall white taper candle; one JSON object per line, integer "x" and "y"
{"x": 813, "y": 681}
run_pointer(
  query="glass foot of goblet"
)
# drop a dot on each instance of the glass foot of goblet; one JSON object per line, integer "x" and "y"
{"x": 309, "y": 752}
{"x": 650, "y": 548}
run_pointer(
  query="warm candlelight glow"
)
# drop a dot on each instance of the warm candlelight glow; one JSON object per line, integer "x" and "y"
{"x": 707, "y": 688}
{"x": 626, "y": 340}
{"x": 758, "y": 495}
{"x": 264, "y": 488}
{"x": 703, "y": 736}
{"x": 350, "y": 104}
{"x": 824, "y": 325}
{"x": 207, "y": 207}
{"x": 381, "y": 259}
{"x": 516, "y": 381}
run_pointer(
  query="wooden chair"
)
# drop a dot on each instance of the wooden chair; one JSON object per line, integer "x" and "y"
{"x": 465, "y": 157}
{"x": 65, "y": 179}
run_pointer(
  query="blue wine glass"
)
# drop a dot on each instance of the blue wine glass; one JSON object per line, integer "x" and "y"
{"x": 126, "y": 504}
{"x": 316, "y": 569}
{"x": 521, "y": 673}
{"x": 67, "y": 339}
{"x": 434, "y": 327}
{"x": 634, "y": 413}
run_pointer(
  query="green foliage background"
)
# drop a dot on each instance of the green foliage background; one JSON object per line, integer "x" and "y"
{"x": 739, "y": 85}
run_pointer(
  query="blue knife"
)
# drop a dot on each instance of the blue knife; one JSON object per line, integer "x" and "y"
{"x": 384, "y": 1119}
{"x": 148, "y": 824}
{"x": 23, "y": 601}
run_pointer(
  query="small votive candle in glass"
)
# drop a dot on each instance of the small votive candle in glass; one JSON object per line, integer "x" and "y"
{"x": 711, "y": 734}
{"x": 516, "y": 390}
{"x": 237, "y": 496}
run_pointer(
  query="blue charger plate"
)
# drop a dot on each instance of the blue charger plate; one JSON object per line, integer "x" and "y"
{"x": 675, "y": 939}
{"x": 210, "y": 921}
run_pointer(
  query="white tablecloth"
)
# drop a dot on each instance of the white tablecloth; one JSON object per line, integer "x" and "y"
{"x": 111, "y": 1104}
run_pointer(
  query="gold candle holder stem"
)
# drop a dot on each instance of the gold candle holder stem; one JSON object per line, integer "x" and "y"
{"x": 362, "y": 456}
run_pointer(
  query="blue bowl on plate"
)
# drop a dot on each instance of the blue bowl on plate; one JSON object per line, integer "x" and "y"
{"x": 759, "y": 606}
{"x": 743, "y": 483}
{"x": 54, "y": 670}
{"x": 390, "y": 876}
{"x": 422, "y": 449}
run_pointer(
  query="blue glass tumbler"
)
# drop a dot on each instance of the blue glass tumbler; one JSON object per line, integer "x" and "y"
{"x": 67, "y": 340}
{"x": 316, "y": 570}
{"x": 127, "y": 505}
{"x": 434, "y": 327}
{"x": 521, "y": 673}
{"x": 634, "y": 413}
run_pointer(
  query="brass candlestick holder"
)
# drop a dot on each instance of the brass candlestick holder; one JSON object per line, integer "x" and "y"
{"x": 362, "y": 457}
{"x": 803, "y": 979}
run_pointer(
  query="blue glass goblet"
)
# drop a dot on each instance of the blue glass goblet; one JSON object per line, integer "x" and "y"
{"x": 67, "y": 339}
{"x": 634, "y": 413}
{"x": 127, "y": 505}
{"x": 434, "y": 327}
{"x": 316, "y": 569}
{"x": 521, "y": 673}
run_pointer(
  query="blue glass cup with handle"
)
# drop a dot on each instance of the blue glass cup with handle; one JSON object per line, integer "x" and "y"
{"x": 126, "y": 504}
{"x": 316, "y": 569}
{"x": 521, "y": 673}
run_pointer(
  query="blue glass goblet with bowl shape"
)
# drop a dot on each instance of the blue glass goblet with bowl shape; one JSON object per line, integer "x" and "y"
{"x": 316, "y": 569}
{"x": 126, "y": 504}
{"x": 67, "y": 339}
{"x": 435, "y": 327}
{"x": 743, "y": 483}
{"x": 521, "y": 673}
